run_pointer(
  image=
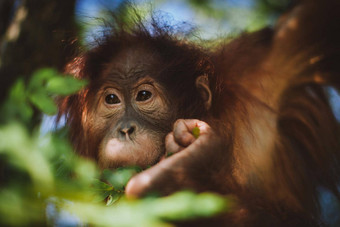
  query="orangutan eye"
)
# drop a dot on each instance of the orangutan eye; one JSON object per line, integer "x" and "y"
{"x": 112, "y": 99}
{"x": 143, "y": 96}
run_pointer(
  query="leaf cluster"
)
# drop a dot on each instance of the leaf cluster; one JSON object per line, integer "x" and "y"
{"x": 42, "y": 180}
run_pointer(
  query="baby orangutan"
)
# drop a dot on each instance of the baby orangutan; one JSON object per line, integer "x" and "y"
{"x": 267, "y": 132}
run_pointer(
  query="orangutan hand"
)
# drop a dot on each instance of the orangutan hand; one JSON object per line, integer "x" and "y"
{"x": 188, "y": 168}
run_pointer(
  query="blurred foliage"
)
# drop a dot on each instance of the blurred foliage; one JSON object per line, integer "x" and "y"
{"x": 42, "y": 181}
{"x": 245, "y": 15}
{"x": 43, "y": 86}
{"x": 213, "y": 18}
{"x": 34, "y": 34}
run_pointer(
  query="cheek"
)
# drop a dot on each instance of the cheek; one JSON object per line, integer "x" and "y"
{"x": 97, "y": 122}
{"x": 144, "y": 151}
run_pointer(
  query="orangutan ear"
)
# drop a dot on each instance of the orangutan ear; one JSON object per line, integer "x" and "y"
{"x": 202, "y": 84}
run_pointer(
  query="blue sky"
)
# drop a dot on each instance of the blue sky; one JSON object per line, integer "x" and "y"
{"x": 178, "y": 10}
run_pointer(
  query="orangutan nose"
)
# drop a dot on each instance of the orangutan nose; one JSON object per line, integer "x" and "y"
{"x": 126, "y": 130}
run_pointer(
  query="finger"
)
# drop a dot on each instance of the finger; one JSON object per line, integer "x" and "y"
{"x": 171, "y": 146}
{"x": 192, "y": 123}
{"x": 161, "y": 178}
{"x": 182, "y": 134}
{"x": 172, "y": 174}
{"x": 183, "y": 130}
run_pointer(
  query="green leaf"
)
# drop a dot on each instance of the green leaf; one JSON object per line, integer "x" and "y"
{"x": 151, "y": 211}
{"x": 43, "y": 102}
{"x": 196, "y": 132}
{"x": 101, "y": 186}
{"x": 85, "y": 170}
{"x": 119, "y": 178}
{"x": 24, "y": 151}
{"x": 208, "y": 204}
{"x": 185, "y": 205}
{"x": 113, "y": 198}
{"x": 64, "y": 85}
{"x": 102, "y": 191}
{"x": 16, "y": 106}
{"x": 40, "y": 78}
{"x": 17, "y": 92}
